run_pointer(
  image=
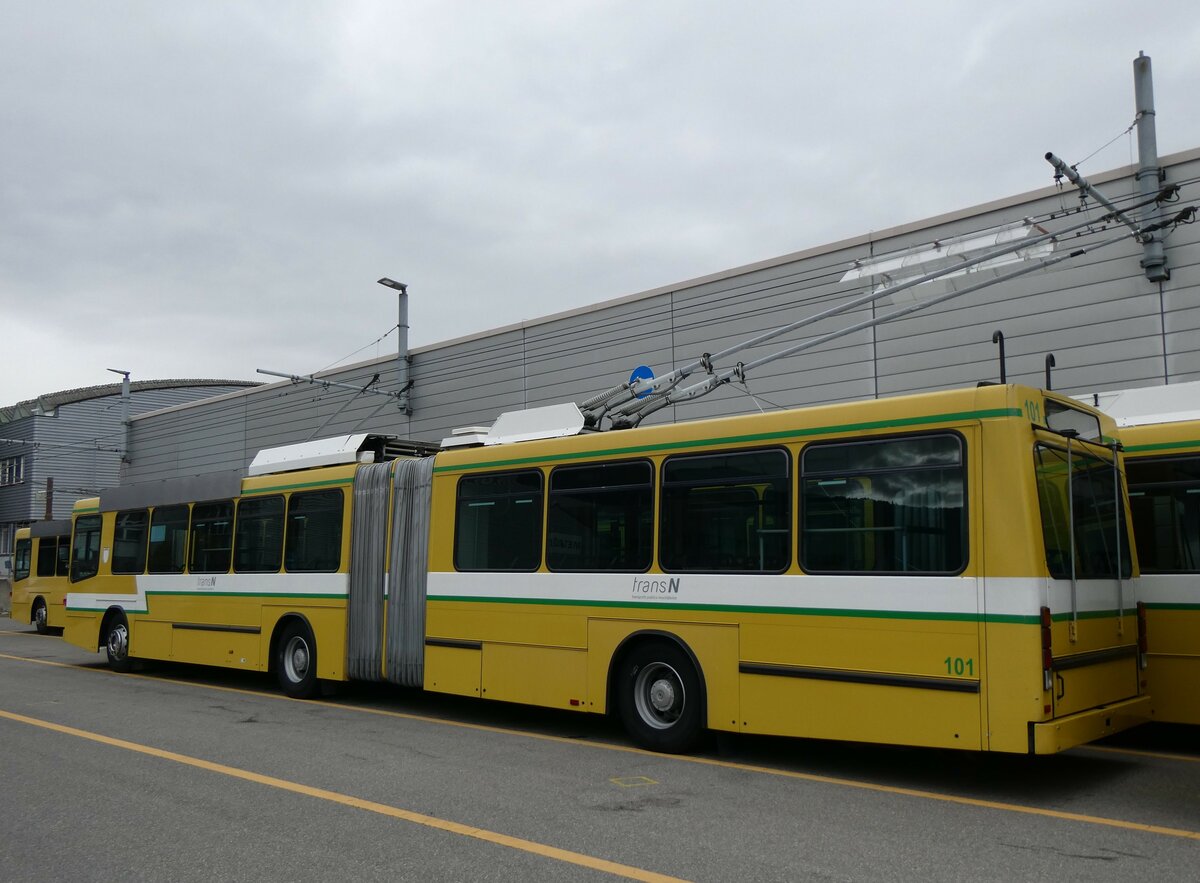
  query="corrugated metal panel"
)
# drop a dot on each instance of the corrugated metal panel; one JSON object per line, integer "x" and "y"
{"x": 1105, "y": 323}
{"x": 78, "y": 446}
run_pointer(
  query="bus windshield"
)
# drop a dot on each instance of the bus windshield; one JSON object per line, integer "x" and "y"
{"x": 1083, "y": 523}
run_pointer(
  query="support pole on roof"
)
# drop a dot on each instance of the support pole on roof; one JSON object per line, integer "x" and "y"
{"x": 403, "y": 359}
{"x": 1149, "y": 174}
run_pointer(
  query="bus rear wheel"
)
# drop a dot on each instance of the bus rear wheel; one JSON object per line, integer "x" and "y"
{"x": 116, "y": 644}
{"x": 296, "y": 661}
{"x": 39, "y": 617}
{"x": 660, "y": 697}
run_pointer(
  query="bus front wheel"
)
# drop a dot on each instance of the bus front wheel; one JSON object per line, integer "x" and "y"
{"x": 116, "y": 644}
{"x": 296, "y": 661}
{"x": 660, "y": 697}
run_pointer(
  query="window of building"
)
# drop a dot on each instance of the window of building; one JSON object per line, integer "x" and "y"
{"x": 313, "y": 542}
{"x": 258, "y": 546}
{"x": 212, "y": 537}
{"x": 601, "y": 517}
{"x": 889, "y": 506}
{"x": 129, "y": 541}
{"x": 726, "y": 512}
{"x": 168, "y": 539}
{"x": 12, "y": 470}
{"x": 498, "y": 522}
{"x": 85, "y": 551}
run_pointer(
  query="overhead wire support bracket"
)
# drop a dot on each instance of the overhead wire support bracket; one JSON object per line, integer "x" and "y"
{"x": 623, "y": 400}
{"x": 631, "y": 415}
{"x": 317, "y": 381}
{"x": 1061, "y": 169}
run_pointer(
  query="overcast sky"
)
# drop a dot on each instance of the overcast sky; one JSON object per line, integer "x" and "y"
{"x": 203, "y": 189}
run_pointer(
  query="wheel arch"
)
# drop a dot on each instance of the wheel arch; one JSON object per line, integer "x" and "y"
{"x": 640, "y": 638}
{"x": 280, "y": 625}
{"x": 106, "y": 621}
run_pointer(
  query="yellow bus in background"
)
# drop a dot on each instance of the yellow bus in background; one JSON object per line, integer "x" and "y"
{"x": 1160, "y": 431}
{"x": 949, "y": 569}
{"x": 39, "y": 593}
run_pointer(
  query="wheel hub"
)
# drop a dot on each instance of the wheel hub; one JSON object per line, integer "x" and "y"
{"x": 118, "y": 642}
{"x": 662, "y": 695}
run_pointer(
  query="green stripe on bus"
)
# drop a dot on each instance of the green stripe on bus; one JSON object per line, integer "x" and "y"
{"x": 744, "y": 439}
{"x": 740, "y": 608}
{"x": 1186, "y": 445}
{"x": 332, "y": 482}
{"x": 1194, "y": 608}
{"x": 88, "y": 510}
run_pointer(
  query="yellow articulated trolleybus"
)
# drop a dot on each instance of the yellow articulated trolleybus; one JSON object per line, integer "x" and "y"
{"x": 950, "y": 569}
{"x": 1160, "y": 430}
{"x": 41, "y": 560}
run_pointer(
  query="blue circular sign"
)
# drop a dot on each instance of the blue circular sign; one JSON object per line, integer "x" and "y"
{"x": 642, "y": 372}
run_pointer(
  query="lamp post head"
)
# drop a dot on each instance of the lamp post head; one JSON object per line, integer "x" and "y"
{"x": 392, "y": 283}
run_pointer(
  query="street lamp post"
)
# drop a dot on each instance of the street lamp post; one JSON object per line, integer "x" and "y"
{"x": 403, "y": 359}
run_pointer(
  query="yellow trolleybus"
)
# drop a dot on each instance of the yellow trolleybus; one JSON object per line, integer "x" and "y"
{"x": 1160, "y": 430}
{"x": 950, "y": 569}
{"x": 43, "y": 555}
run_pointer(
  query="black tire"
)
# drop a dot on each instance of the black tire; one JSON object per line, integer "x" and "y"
{"x": 296, "y": 661}
{"x": 39, "y": 617}
{"x": 660, "y": 697}
{"x": 116, "y": 643}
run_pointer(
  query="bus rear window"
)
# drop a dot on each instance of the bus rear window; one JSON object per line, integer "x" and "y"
{"x": 1083, "y": 523}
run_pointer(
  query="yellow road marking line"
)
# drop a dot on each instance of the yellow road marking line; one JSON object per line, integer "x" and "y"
{"x": 1140, "y": 752}
{"x": 530, "y": 846}
{"x": 705, "y": 761}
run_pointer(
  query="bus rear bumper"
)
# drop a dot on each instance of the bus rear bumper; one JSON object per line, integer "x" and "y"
{"x": 1087, "y": 726}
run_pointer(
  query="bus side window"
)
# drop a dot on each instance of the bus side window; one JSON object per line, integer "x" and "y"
{"x": 601, "y": 517}
{"x": 129, "y": 541}
{"x": 168, "y": 539}
{"x": 727, "y": 512}
{"x": 212, "y": 537}
{"x": 85, "y": 550}
{"x": 63, "y": 566}
{"x": 258, "y": 543}
{"x": 313, "y": 543}
{"x": 889, "y": 506}
{"x": 47, "y": 556}
{"x": 498, "y": 521}
{"x": 21, "y": 556}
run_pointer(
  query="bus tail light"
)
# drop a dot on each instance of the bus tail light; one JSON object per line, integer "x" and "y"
{"x": 1047, "y": 655}
{"x": 1143, "y": 643}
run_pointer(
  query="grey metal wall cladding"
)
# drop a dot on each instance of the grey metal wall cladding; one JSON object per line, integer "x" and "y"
{"x": 368, "y": 551}
{"x": 1106, "y": 324}
{"x": 407, "y": 573}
